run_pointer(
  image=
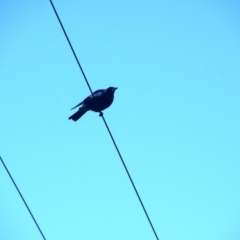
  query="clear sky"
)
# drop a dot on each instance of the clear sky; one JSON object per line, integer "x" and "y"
{"x": 175, "y": 118}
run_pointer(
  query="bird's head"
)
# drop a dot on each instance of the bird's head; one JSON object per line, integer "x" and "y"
{"x": 112, "y": 89}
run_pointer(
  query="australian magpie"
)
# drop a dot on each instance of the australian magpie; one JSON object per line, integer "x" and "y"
{"x": 100, "y": 100}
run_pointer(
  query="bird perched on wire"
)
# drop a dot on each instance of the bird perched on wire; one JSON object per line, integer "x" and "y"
{"x": 97, "y": 102}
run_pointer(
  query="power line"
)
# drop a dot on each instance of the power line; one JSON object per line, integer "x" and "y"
{"x": 130, "y": 178}
{"x": 85, "y": 78}
{"x": 139, "y": 198}
{"x": 22, "y": 198}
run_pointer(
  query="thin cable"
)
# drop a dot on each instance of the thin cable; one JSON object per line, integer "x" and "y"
{"x": 139, "y": 198}
{"x": 71, "y": 47}
{"x": 106, "y": 124}
{"x": 22, "y": 198}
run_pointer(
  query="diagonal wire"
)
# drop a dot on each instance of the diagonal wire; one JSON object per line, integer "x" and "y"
{"x": 130, "y": 178}
{"x": 85, "y": 78}
{"x": 22, "y": 198}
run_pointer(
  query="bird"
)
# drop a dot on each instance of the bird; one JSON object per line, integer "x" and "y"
{"x": 97, "y": 102}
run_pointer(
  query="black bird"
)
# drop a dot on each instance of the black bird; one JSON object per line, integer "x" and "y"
{"x": 100, "y": 100}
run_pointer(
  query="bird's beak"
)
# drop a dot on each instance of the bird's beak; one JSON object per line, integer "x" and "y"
{"x": 115, "y": 88}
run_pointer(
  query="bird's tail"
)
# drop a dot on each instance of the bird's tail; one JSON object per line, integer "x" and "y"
{"x": 81, "y": 111}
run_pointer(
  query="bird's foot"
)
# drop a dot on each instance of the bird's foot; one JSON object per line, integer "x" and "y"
{"x": 100, "y": 114}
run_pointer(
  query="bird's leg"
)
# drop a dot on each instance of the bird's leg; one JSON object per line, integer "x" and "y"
{"x": 100, "y": 114}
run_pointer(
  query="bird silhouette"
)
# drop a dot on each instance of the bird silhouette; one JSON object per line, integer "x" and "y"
{"x": 97, "y": 102}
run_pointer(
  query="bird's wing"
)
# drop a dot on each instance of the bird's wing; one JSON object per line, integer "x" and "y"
{"x": 77, "y": 105}
{"x": 97, "y": 93}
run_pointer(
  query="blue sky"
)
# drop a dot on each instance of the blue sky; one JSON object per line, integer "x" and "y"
{"x": 175, "y": 118}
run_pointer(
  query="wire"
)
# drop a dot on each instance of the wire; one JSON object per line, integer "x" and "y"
{"x": 139, "y": 198}
{"x": 22, "y": 198}
{"x": 130, "y": 178}
{"x": 71, "y": 48}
